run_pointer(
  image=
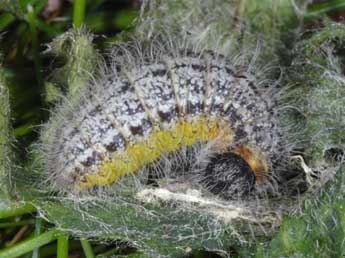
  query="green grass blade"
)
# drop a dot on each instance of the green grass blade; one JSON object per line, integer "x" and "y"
{"x": 324, "y": 7}
{"x": 16, "y": 223}
{"x": 16, "y": 211}
{"x": 28, "y": 245}
{"x": 35, "y": 43}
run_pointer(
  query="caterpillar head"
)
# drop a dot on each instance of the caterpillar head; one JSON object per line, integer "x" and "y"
{"x": 228, "y": 175}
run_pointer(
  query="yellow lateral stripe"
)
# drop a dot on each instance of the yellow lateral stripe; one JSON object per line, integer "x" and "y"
{"x": 136, "y": 155}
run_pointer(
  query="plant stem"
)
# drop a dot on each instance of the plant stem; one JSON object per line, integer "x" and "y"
{"x": 62, "y": 246}
{"x": 87, "y": 248}
{"x": 78, "y": 13}
{"x": 19, "y": 235}
{"x": 16, "y": 211}
{"x": 38, "y": 231}
{"x": 28, "y": 245}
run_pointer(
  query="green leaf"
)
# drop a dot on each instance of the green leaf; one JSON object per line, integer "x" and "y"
{"x": 5, "y": 20}
{"x": 324, "y": 7}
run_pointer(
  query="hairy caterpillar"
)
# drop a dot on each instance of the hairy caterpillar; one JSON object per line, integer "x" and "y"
{"x": 169, "y": 129}
{"x": 186, "y": 116}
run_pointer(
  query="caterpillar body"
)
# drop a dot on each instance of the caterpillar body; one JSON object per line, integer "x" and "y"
{"x": 150, "y": 113}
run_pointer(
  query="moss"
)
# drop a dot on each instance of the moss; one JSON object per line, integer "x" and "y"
{"x": 317, "y": 90}
{"x": 262, "y": 30}
{"x": 317, "y": 76}
{"x": 319, "y": 231}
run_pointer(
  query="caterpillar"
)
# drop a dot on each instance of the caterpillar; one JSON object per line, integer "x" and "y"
{"x": 183, "y": 116}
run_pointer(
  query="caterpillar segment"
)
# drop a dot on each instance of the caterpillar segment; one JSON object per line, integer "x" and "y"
{"x": 155, "y": 111}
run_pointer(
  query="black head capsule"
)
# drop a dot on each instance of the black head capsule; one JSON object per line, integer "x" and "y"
{"x": 228, "y": 176}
